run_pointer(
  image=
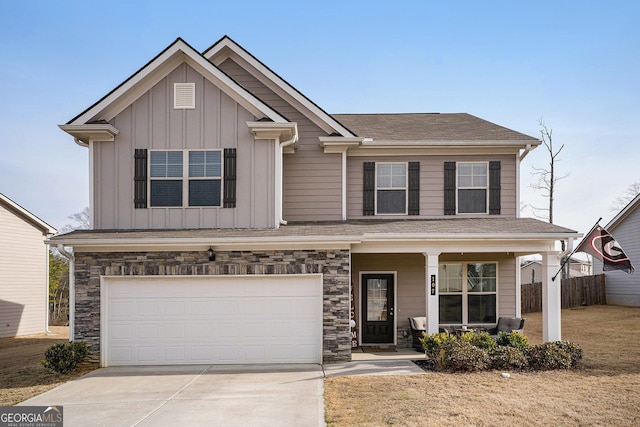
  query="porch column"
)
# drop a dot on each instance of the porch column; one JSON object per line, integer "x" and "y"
{"x": 431, "y": 278}
{"x": 551, "y": 297}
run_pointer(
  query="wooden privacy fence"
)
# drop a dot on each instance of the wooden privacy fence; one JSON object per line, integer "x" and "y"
{"x": 576, "y": 291}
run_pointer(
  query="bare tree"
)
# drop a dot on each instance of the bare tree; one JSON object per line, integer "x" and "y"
{"x": 547, "y": 177}
{"x": 630, "y": 193}
{"x": 80, "y": 221}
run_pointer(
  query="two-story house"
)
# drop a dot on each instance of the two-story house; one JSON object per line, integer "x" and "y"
{"x": 233, "y": 218}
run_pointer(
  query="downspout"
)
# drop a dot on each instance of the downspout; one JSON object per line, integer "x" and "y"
{"x": 280, "y": 190}
{"x": 72, "y": 289}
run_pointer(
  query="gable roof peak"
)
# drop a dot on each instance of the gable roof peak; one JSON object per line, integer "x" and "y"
{"x": 157, "y": 68}
{"x": 226, "y": 48}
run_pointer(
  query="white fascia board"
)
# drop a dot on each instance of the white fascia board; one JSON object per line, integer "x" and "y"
{"x": 389, "y": 151}
{"x": 91, "y": 132}
{"x": 26, "y": 215}
{"x": 339, "y": 144}
{"x": 269, "y": 130}
{"x": 520, "y": 144}
{"x": 160, "y": 67}
{"x": 227, "y": 243}
{"x": 514, "y": 247}
{"x": 293, "y": 96}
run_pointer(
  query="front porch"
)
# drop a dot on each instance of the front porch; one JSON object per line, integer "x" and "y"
{"x": 450, "y": 289}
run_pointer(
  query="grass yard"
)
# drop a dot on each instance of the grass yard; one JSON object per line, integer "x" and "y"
{"x": 22, "y": 376}
{"x": 605, "y": 392}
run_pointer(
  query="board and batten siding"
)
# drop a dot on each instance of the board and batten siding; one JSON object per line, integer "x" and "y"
{"x": 623, "y": 288}
{"x": 23, "y": 277}
{"x": 151, "y": 122}
{"x": 432, "y": 181}
{"x": 312, "y": 179}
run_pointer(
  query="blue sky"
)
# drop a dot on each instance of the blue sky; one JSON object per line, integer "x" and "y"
{"x": 575, "y": 64}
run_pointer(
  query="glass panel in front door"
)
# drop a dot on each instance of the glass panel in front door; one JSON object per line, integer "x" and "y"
{"x": 377, "y": 300}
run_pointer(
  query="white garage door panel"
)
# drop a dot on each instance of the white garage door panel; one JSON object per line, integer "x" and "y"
{"x": 232, "y": 320}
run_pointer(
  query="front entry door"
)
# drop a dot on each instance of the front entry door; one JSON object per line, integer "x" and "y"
{"x": 377, "y": 308}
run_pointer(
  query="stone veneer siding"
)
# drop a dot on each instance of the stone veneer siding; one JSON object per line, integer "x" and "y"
{"x": 333, "y": 264}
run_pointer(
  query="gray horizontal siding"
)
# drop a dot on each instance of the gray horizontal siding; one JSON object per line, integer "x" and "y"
{"x": 623, "y": 288}
{"x": 431, "y": 182}
{"x": 312, "y": 180}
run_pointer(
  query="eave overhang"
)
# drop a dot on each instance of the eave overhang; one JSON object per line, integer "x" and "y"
{"x": 158, "y": 68}
{"x": 83, "y": 134}
{"x": 361, "y": 146}
{"x": 285, "y": 133}
{"x": 227, "y": 48}
{"x": 516, "y": 244}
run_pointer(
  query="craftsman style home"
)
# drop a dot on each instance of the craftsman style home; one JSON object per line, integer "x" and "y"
{"x": 235, "y": 221}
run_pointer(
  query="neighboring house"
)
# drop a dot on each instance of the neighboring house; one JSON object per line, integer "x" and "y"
{"x": 623, "y": 288}
{"x": 24, "y": 271}
{"x": 232, "y": 215}
{"x": 531, "y": 270}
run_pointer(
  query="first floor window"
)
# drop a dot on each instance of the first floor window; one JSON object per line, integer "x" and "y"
{"x": 468, "y": 293}
{"x": 199, "y": 184}
{"x": 472, "y": 187}
{"x": 391, "y": 188}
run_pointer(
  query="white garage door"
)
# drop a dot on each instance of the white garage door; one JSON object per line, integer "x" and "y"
{"x": 211, "y": 320}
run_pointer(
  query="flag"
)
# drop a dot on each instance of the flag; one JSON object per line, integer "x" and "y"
{"x": 601, "y": 244}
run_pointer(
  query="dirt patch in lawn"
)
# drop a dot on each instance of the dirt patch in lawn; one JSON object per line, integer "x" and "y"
{"x": 605, "y": 391}
{"x": 22, "y": 376}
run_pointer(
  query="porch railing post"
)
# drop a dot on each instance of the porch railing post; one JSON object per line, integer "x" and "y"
{"x": 431, "y": 288}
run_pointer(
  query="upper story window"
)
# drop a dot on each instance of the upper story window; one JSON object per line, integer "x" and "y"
{"x": 473, "y": 187}
{"x": 391, "y": 188}
{"x": 199, "y": 184}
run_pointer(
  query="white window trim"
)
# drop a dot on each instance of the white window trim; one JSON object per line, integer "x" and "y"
{"x": 465, "y": 293}
{"x": 185, "y": 179}
{"x": 405, "y": 188}
{"x": 458, "y": 187}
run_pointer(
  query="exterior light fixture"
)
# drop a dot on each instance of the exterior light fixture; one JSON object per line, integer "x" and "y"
{"x": 212, "y": 254}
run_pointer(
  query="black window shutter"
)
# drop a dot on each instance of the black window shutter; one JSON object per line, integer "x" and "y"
{"x": 494, "y": 188}
{"x": 140, "y": 179}
{"x": 368, "y": 188}
{"x": 449, "y": 188}
{"x": 414, "y": 188}
{"x": 229, "y": 200}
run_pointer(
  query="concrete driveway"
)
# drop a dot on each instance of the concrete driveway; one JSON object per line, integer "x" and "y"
{"x": 264, "y": 395}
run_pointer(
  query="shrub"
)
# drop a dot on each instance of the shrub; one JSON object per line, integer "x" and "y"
{"x": 431, "y": 343}
{"x": 513, "y": 339}
{"x": 548, "y": 356}
{"x": 505, "y": 357}
{"x": 574, "y": 350}
{"x": 480, "y": 339}
{"x": 63, "y": 358}
{"x": 460, "y": 355}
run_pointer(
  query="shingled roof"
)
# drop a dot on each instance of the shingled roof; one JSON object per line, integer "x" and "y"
{"x": 428, "y": 127}
{"x": 485, "y": 228}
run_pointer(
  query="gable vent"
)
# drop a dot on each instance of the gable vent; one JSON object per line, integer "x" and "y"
{"x": 184, "y": 95}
